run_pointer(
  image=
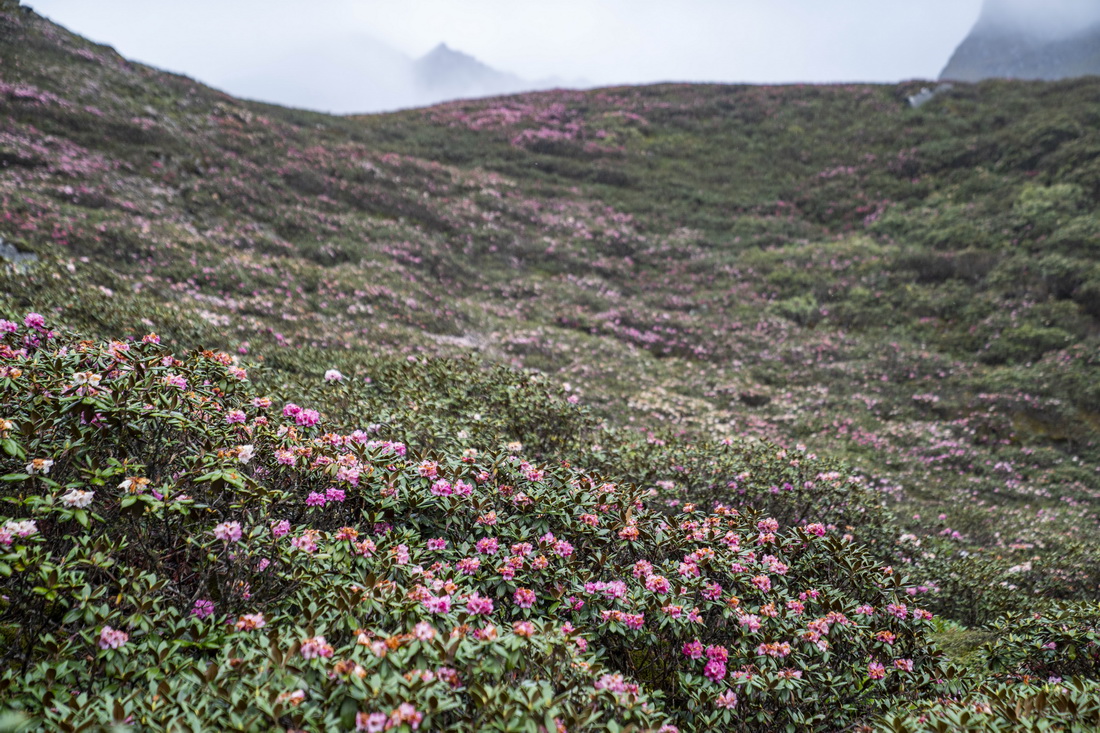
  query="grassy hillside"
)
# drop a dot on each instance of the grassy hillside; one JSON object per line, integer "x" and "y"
{"x": 681, "y": 329}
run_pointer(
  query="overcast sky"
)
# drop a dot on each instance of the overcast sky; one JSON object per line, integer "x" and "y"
{"x": 221, "y": 42}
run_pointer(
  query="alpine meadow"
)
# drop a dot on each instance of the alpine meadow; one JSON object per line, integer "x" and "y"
{"x": 679, "y": 407}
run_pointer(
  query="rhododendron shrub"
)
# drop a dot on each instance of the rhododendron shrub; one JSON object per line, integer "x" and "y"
{"x": 201, "y": 560}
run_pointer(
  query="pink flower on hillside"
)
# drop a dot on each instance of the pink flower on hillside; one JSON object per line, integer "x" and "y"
{"x": 333, "y": 375}
{"x": 562, "y": 548}
{"x": 371, "y": 722}
{"x": 714, "y": 670}
{"x": 876, "y": 671}
{"x": 487, "y": 546}
{"x": 767, "y": 525}
{"x": 762, "y": 582}
{"x": 905, "y": 665}
{"x": 693, "y": 649}
{"x": 307, "y": 418}
{"x": 228, "y": 531}
{"x": 175, "y": 380}
{"x": 727, "y": 700}
{"x": 524, "y": 597}
{"x": 897, "y": 609}
{"x": 203, "y": 608}
{"x": 112, "y": 638}
{"x": 442, "y": 487}
{"x": 334, "y": 494}
{"x": 251, "y": 622}
{"x": 315, "y": 499}
{"x": 285, "y": 457}
{"x": 235, "y": 416}
{"x": 816, "y": 529}
{"x": 437, "y": 544}
{"x": 315, "y": 647}
{"x": 523, "y": 628}
{"x": 478, "y": 605}
{"x": 291, "y": 410}
{"x": 468, "y": 565}
{"x": 35, "y": 320}
{"x": 657, "y": 583}
{"x": 440, "y": 604}
{"x": 280, "y": 528}
{"x": 307, "y": 542}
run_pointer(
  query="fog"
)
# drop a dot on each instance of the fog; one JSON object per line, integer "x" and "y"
{"x": 1040, "y": 18}
{"x": 360, "y": 55}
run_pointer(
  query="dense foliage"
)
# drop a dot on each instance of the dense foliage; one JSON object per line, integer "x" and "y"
{"x": 708, "y": 407}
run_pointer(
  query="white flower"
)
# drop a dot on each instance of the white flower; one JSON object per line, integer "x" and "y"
{"x": 24, "y": 528}
{"x": 39, "y": 465}
{"x": 245, "y": 453}
{"x": 333, "y": 375}
{"x": 88, "y": 378}
{"x": 77, "y": 498}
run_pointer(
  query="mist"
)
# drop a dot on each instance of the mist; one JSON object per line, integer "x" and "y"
{"x": 1046, "y": 19}
{"x": 356, "y": 55}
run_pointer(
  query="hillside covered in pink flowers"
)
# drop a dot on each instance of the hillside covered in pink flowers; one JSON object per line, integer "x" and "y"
{"x": 679, "y": 407}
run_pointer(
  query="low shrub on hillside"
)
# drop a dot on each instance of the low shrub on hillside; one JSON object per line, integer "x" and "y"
{"x": 178, "y": 548}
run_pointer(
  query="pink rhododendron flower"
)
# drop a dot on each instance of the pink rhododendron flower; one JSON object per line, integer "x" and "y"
{"x": 202, "y": 608}
{"x": 228, "y": 531}
{"x": 727, "y": 700}
{"x": 315, "y": 647}
{"x": 112, "y": 638}
{"x": 477, "y": 604}
{"x": 524, "y": 597}
{"x": 487, "y": 545}
{"x": 251, "y": 622}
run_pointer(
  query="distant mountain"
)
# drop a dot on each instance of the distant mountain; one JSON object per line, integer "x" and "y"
{"x": 362, "y": 74}
{"x": 1020, "y": 41}
{"x": 447, "y": 72}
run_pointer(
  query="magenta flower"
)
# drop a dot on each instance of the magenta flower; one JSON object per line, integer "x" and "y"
{"x": 693, "y": 650}
{"x": 307, "y": 417}
{"x": 280, "y": 528}
{"x": 315, "y": 499}
{"x": 715, "y": 670}
{"x": 876, "y": 671}
{"x": 202, "y": 608}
